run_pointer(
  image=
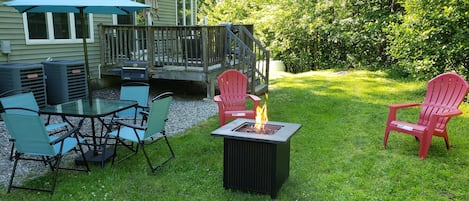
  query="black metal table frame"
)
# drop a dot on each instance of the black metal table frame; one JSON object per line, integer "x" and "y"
{"x": 93, "y": 155}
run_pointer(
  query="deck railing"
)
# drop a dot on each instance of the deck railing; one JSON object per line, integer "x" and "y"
{"x": 189, "y": 47}
{"x": 248, "y": 55}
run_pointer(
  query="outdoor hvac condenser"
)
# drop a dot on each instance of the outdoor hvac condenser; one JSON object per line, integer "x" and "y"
{"x": 24, "y": 76}
{"x": 66, "y": 80}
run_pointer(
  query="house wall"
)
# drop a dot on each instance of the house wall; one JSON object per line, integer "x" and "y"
{"x": 166, "y": 12}
{"x": 11, "y": 29}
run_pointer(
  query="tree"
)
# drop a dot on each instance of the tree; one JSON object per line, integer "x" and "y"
{"x": 420, "y": 38}
{"x": 431, "y": 38}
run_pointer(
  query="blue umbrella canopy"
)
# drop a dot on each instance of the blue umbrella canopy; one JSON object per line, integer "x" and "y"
{"x": 74, "y": 6}
{"x": 121, "y": 7}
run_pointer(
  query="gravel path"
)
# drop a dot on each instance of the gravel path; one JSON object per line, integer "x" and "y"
{"x": 184, "y": 113}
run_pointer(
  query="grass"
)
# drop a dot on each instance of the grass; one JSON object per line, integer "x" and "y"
{"x": 336, "y": 155}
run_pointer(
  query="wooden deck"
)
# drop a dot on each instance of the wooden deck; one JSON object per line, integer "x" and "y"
{"x": 172, "y": 72}
{"x": 193, "y": 53}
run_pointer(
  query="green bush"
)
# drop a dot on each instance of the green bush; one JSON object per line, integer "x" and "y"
{"x": 413, "y": 38}
{"x": 431, "y": 38}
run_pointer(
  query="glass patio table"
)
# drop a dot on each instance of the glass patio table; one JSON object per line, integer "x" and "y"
{"x": 98, "y": 109}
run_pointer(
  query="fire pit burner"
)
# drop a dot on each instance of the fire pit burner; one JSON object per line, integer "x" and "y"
{"x": 248, "y": 127}
{"x": 256, "y": 162}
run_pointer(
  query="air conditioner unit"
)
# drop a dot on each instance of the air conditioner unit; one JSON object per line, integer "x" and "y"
{"x": 24, "y": 75}
{"x": 66, "y": 80}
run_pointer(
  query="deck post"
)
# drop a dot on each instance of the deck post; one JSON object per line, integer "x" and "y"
{"x": 205, "y": 61}
{"x": 150, "y": 48}
{"x": 102, "y": 38}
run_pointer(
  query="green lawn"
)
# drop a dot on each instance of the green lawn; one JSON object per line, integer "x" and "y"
{"x": 336, "y": 155}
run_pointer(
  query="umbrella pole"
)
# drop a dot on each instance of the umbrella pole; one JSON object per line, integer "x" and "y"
{"x": 85, "y": 51}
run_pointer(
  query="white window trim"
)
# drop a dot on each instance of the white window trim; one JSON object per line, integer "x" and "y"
{"x": 50, "y": 31}
{"x": 114, "y": 19}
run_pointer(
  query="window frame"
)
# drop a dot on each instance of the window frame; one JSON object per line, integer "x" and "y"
{"x": 50, "y": 31}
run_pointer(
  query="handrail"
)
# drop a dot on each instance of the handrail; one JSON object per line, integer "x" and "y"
{"x": 249, "y": 56}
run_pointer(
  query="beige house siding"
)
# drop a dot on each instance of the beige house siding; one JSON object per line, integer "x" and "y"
{"x": 11, "y": 29}
{"x": 166, "y": 12}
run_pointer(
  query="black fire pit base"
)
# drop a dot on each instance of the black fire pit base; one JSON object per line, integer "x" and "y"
{"x": 256, "y": 162}
{"x": 252, "y": 166}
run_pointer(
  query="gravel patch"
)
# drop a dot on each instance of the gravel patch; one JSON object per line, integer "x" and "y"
{"x": 184, "y": 113}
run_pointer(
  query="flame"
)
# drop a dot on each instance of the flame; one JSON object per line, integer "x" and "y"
{"x": 261, "y": 115}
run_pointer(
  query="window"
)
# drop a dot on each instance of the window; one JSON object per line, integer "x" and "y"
{"x": 36, "y": 23}
{"x": 123, "y": 19}
{"x": 186, "y": 12}
{"x": 61, "y": 25}
{"x": 78, "y": 27}
{"x": 54, "y": 28}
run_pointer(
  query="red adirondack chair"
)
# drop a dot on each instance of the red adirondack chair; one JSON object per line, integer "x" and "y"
{"x": 232, "y": 99}
{"x": 444, "y": 94}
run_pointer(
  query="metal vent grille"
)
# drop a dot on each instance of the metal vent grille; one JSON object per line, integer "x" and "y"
{"x": 66, "y": 80}
{"x": 24, "y": 75}
{"x": 76, "y": 82}
{"x": 34, "y": 80}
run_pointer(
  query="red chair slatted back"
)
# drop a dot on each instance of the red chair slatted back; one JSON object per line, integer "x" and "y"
{"x": 233, "y": 87}
{"x": 444, "y": 92}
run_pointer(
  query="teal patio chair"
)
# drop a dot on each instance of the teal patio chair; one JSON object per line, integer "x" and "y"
{"x": 136, "y": 91}
{"x": 143, "y": 135}
{"x": 34, "y": 143}
{"x": 27, "y": 100}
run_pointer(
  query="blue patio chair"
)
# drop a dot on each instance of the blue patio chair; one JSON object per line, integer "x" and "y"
{"x": 137, "y": 91}
{"x": 34, "y": 143}
{"x": 27, "y": 100}
{"x": 144, "y": 135}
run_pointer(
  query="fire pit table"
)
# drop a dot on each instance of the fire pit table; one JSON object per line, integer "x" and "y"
{"x": 256, "y": 160}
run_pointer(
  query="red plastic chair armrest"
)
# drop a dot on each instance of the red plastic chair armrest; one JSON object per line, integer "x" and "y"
{"x": 217, "y": 98}
{"x": 404, "y": 105}
{"x": 449, "y": 114}
{"x": 255, "y": 99}
{"x": 393, "y": 110}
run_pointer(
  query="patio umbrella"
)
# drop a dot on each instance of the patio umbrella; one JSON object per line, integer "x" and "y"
{"x": 82, "y": 7}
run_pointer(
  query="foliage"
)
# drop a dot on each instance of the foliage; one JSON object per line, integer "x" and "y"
{"x": 287, "y": 34}
{"x": 432, "y": 37}
{"x": 418, "y": 38}
{"x": 349, "y": 33}
{"x": 309, "y": 35}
